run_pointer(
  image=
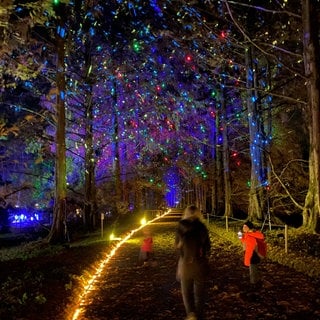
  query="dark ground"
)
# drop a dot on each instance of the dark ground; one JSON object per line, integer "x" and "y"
{"x": 126, "y": 290}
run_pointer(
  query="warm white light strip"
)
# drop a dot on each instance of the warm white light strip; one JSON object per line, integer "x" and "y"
{"x": 89, "y": 286}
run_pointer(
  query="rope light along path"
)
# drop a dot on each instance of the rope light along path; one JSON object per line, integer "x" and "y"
{"x": 90, "y": 283}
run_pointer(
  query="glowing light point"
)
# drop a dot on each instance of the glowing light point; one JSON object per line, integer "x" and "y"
{"x": 136, "y": 46}
{"x": 223, "y": 34}
{"x": 112, "y": 237}
{"x": 188, "y": 58}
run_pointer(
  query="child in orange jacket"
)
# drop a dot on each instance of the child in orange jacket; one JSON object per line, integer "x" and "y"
{"x": 249, "y": 242}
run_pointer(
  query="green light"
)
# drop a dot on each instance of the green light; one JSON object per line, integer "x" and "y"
{"x": 136, "y": 46}
{"x": 56, "y": 2}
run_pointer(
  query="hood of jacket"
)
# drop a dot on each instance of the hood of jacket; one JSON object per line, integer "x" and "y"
{"x": 256, "y": 234}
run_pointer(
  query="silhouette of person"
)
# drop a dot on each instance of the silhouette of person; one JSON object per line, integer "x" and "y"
{"x": 193, "y": 242}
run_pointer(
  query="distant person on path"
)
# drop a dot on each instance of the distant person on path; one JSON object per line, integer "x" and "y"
{"x": 146, "y": 249}
{"x": 251, "y": 257}
{"x": 193, "y": 242}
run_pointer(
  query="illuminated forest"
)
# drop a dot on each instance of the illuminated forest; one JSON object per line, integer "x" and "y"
{"x": 113, "y": 107}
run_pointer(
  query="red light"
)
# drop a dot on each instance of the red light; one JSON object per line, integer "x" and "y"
{"x": 223, "y": 34}
{"x": 188, "y": 58}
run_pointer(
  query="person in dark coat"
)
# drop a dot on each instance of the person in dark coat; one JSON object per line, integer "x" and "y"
{"x": 193, "y": 242}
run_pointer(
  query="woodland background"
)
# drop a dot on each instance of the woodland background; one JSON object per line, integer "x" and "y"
{"x": 114, "y": 107}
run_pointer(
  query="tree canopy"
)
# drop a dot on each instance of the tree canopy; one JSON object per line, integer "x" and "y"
{"x": 165, "y": 102}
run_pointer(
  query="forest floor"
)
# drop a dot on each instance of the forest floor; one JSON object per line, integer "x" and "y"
{"x": 47, "y": 287}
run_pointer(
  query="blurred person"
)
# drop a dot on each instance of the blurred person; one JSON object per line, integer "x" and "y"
{"x": 193, "y": 243}
{"x": 146, "y": 249}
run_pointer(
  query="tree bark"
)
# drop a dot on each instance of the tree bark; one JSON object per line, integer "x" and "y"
{"x": 311, "y": 49}
{"x": 225, "y": 158}
{"x": 58, "y": 232}
{"x": 254, "y": 210}
{"x": 117, "y": 167}
{"x": 90, "y": 205}
{"x": 219, "y": 167}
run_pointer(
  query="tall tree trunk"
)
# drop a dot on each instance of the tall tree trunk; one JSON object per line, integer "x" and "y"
{"x": 139, "y": 196}
{"x": 90, "y": 205}
{"x": 213, "y": 169}
{"x": 312, "y": 66}
{"x": 58, "y": 231}
{"x": 117, "y": 167}
{"x": 219, "y": 167}
{"x": 225, "y": 157}
{"x": 254, "y": 210}
{"x": 267, "y": 137}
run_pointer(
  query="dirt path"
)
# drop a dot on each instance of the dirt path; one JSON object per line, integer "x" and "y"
{"x": 128, "y": 291}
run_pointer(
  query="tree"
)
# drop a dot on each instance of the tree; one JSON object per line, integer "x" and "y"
{"x": 311, "y": 47}
{"x": 58, "y": 232}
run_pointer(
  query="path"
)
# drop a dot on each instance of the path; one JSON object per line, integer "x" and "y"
{"x": 128, "y": 291}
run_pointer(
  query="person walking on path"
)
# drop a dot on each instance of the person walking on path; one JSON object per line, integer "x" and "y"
{"x": 251, "y": 258}
{"x": 193, "y": 242}
{"x": 146, "y": 249}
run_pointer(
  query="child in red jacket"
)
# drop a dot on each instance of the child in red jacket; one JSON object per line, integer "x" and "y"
{"x": 146, "y": 249}
{"x": 251, "y": 257}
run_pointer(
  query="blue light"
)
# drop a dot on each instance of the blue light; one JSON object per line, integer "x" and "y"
{"x": 25, "y": 218}
{"x": 61, "y": 31}
{"x": 28, "y": 84}
{"x": 172, "y": 180}
{"x": 17, "y": 108}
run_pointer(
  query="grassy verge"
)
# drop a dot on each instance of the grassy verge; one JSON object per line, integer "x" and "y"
{"x": 303, "y": 248}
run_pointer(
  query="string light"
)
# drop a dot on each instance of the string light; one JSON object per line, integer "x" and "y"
{"x": 92, "y": 281}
